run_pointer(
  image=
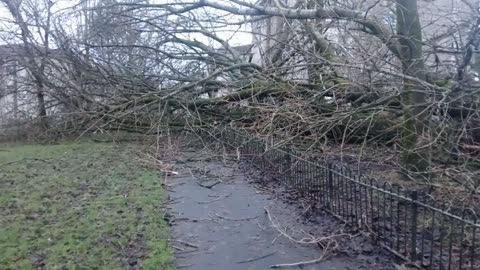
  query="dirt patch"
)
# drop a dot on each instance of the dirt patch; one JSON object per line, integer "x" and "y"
{"x": 242, "y": 223}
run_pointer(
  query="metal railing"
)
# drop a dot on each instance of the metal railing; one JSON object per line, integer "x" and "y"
{"x": 406, "y": 222}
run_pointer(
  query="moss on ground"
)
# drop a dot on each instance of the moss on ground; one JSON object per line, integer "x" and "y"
{"x": 80, "y": 206}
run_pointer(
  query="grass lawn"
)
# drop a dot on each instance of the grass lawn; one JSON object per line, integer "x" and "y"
{"x": 80, "y": 206}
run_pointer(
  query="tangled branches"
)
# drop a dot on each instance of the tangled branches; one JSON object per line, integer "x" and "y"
{"x": 317, "y": 74}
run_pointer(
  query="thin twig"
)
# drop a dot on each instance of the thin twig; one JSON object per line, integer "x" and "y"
{"x": 210, "y": 185}
{"x": 258, "y": 258}
{"x": 178, "y": 248}
{"x": 23, "y": 159}
{"x": 184, "y": 266}
{"x": 184, "y": 243}
{"x": 310, "y": 240}
{"x": 236, "y": 219}
{"x": 300, "y": 264}
{"x": 217, "y": 199}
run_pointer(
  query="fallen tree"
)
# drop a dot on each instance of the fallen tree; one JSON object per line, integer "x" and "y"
{"x": 325, "y": 72}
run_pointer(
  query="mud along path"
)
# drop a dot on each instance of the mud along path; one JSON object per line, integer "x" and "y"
{"x": 219, "y": 221}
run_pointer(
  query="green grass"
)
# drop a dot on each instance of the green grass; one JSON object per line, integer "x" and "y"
{"x": 80, "y": 206}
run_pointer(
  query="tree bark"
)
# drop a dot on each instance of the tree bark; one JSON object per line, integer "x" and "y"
{"x": 42, "y": 111}
{"x": 414, "y": 96}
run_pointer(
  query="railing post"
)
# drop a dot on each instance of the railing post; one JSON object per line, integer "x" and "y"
{"x": 414, "y": 208}
{"x": 330, "y": 186}
{"x": 288, "y": 173}
{"x": 263, "y": 149}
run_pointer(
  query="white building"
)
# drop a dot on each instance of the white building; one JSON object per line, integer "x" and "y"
{"x": 18, "y": 91}
{"x": 17, "y": 99}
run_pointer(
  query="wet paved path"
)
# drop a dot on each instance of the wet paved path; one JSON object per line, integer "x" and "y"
{"x": 219, "y": 221}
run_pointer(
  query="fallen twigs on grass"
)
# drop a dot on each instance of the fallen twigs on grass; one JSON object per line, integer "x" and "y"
{"x": 155, "y": 162}
{"x": 20, "y": 160}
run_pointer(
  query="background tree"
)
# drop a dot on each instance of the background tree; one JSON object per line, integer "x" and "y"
{"x": 33, "y": 20}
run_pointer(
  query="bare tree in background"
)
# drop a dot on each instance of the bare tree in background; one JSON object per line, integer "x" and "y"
{"x": 33, "y": 19}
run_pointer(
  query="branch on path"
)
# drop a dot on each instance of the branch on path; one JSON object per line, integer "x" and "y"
{"x": 301, "y": 264}
{"x": 235, "y": 219}
{"x": 217, "y": 199}
{"x": 310, "y": 240}
{"x": 258, "y": 258}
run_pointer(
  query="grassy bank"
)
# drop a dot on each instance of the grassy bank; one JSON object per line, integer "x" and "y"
{"x": 80, "y": 206}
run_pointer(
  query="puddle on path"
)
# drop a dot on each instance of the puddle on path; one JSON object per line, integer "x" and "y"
{"x": 226, "y": 226}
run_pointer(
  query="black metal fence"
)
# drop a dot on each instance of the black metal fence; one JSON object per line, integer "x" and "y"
{"x": 410, "y": 224}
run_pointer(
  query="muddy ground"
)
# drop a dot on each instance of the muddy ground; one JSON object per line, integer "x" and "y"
{"x": 224, "y": 215}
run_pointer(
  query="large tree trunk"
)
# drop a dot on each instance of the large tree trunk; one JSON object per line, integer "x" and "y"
{"x": 42, "y": 111}
{"x": 414, "y": 97}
